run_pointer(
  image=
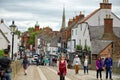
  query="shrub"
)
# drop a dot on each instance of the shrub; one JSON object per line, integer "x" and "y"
{"x": 1, "y": 53}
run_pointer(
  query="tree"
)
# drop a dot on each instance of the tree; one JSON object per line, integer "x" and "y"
{"x": 32, "y": 38}
{"x": 30, "y": 29}
{"x": 1, "y": 53}
{"x": 18, "y": 32}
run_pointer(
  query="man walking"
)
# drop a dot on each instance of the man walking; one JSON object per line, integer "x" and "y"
{"x": 5, "y": 63}
{"x": 76, "y": 63}
{"x": 108, "y": 66}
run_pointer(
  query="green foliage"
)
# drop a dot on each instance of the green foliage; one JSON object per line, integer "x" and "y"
{"x": 79, "y": 47}
{"x": 87, "y": 48}
{"x": 32, "y": 38}
{"x": 18, "y": 32}
{"x": 1, "y": 53}
{"x": 31, "y": 29}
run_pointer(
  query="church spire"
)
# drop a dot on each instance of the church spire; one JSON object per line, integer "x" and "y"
{"x": 63, "y": 19}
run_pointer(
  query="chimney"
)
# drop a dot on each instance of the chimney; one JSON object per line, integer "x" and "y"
{"x": 81, "y": 16}
{"x": 70, "y": 22}
{"x": 108, "y": 29}
{"x": 73, "y": 19}
{"x": 105, "y": 5}
{"x": 2, "y": 21}
{"x": 76, "y": 18}
{"x": 108, "y": 24}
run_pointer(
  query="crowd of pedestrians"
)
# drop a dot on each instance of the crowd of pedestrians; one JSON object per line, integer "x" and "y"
{"x": 61, "y": 63}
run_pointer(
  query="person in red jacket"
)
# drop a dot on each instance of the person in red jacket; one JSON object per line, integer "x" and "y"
{"x": 62, "y": 67}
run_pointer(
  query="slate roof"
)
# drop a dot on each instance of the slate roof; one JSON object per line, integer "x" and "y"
{"x": 97, "y": 43}
{"x": 96, "y": 32}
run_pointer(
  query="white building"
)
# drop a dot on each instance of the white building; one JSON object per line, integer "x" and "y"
{"x": 7, "y": 32}
{"x": 3, "y": 39}
{"x": 80, "y": 32}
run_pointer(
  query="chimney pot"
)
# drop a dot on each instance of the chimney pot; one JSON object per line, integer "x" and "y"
{"x": 2, "y": 21}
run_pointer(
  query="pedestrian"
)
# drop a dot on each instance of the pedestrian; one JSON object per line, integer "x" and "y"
{"x": 46, "y": 61}
{"x": 86, "y": 65}
{"x": 62, "y": 67}
{"x": 5, "y": 63}
{"x": 76, "y": 64}
{"x": 25, "y": 64}
{"x": 99, "y": 67}
{"x": 108, "y": 66}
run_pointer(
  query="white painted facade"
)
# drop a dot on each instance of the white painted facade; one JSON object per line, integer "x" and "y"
{"x": 80, "y": 35}
{"x": 98, "y": 18}
{"x": 80, "y": 32}
{"x": 3, "y": 40}
{"x": 7, "y": 32}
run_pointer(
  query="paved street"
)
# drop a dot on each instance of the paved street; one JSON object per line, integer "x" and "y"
{"x": 50, "y": 73}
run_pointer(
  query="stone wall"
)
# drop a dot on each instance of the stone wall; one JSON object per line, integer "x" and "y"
{"x": 16, "y": 66}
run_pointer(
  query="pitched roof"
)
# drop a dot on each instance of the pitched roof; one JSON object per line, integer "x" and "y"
{"x": 96, "y": 32}
{"x": 90, "y": 15}
{"x": 4, "y": 36}
{"x": 99, "y": 45}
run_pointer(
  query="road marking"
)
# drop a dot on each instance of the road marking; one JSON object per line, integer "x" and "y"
{"x": 56, "y": 73}
{"x": 42, "y": 76}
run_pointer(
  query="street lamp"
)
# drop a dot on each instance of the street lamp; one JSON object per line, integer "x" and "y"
{"x": 13, "y": 27}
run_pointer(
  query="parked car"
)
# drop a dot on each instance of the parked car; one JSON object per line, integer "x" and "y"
{"x": 35, "y": 59}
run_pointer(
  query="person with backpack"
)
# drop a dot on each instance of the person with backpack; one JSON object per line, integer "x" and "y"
{"x": 99, "y": 67}
{"x": 25, "y": 64}
{"x": 62, "y": 67}
{"x": 5, "y": 66}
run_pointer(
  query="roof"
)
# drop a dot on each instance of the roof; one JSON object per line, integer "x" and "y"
{"x": 4, "y": 36}
{"x": 99, "y": 45}
{"x": 90, "y": 15}
{"x": 96, "y": 32}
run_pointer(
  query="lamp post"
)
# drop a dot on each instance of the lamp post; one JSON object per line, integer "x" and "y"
{"x": 13, "y": 27}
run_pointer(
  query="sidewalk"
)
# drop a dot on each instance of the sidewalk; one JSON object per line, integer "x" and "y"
{"x": 31, "y": 75}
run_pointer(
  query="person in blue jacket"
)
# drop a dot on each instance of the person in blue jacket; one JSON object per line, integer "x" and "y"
{"x": 108, "y": 66}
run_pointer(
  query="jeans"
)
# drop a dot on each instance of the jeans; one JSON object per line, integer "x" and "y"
{"x": 6, "y": 77}
{"x": 85, "y": 69}
{"x": 99, "y": 71}
{"x": 62, "y": 77}
{"x": 108, "y": 71}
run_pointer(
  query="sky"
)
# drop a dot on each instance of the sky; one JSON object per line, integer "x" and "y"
{"x": 25, "y": 13}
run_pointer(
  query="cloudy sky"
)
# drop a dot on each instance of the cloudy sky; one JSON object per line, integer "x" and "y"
{"x": 47, "y": 12}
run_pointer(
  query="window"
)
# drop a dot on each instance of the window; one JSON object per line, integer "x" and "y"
{"x": 76, "y": 31}
{"x": 72, "y": 32}
{"x": 80, "y": 41}
{"x": 85, "y": 41}
{"x": 81, "y": 27}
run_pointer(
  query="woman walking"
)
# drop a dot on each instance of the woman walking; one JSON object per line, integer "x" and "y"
{"x": 99, "y": 67}
{"x": 62, "y": 67}
{"x": 25, "y": 64}
{"x": 86, "y": 65}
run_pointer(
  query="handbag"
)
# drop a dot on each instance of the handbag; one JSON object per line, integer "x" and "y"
{"x": 58, "y": 73}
